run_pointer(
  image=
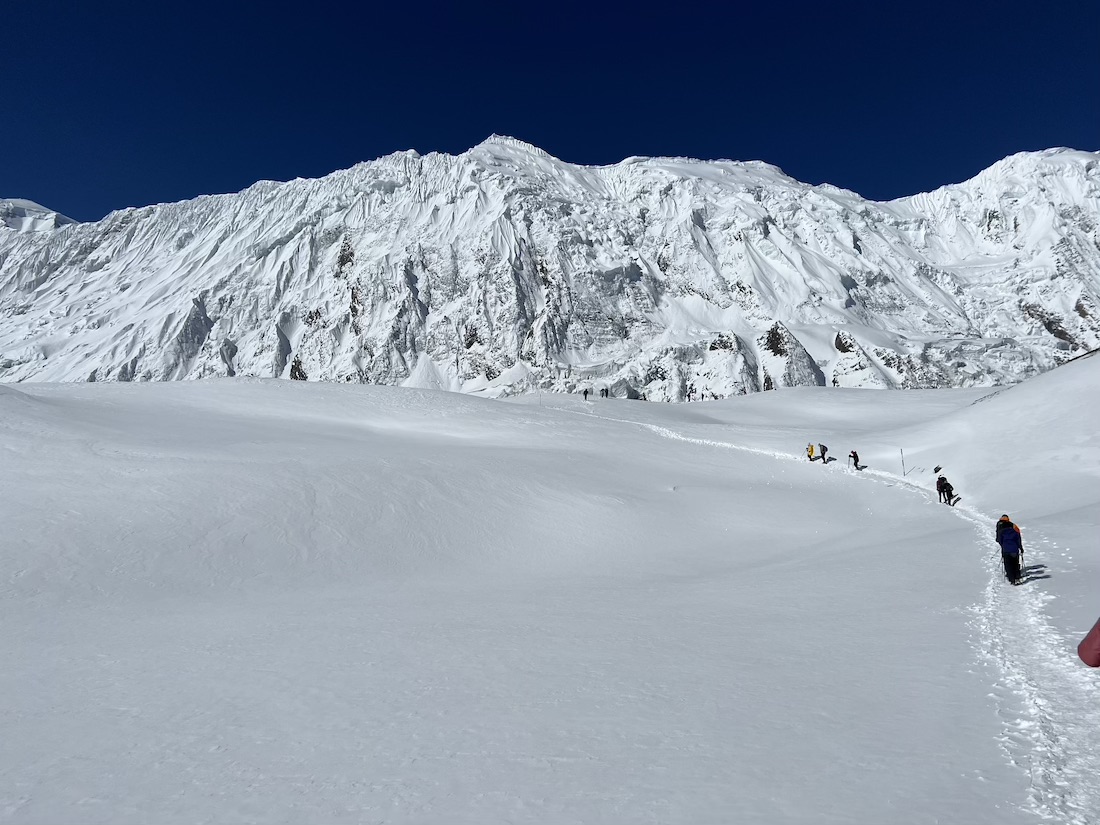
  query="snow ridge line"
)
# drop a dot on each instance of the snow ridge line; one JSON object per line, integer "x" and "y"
{"x": 1043, "y": 699}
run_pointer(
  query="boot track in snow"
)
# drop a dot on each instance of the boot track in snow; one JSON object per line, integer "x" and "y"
{"x": 1044, "y": 699}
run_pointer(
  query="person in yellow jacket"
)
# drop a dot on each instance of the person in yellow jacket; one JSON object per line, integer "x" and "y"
{"x": 810, "y": 451}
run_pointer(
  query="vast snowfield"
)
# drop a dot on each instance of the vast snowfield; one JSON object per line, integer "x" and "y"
{"x": 275, "y": 601}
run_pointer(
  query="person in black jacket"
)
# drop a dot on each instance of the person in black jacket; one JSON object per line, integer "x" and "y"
{"x": 940, "y": 482}
{"x": 1012, "y": 547}
{"x": 948, "y": 493}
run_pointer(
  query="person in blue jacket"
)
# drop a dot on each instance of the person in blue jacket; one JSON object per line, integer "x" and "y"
{"x": 1012, "y": 545}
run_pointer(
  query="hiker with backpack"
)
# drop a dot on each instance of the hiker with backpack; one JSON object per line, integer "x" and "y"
{"x": 948, "y": 493}
{"x": 1012, "y": 548}
{"x": 853, "y": 456}
{"x": 940, "y": 482}
{"x": 824, "y": 451}
{"x": 810, "y": 451}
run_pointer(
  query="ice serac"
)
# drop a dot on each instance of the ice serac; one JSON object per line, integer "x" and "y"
{"x": 28, "y": 216}
{"x": 504, "y": 269}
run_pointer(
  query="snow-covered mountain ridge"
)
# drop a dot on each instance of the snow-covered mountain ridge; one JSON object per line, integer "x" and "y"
{"x": 504, "y": 269}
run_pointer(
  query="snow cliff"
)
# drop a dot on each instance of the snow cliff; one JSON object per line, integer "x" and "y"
{"x": 28, "y": 216}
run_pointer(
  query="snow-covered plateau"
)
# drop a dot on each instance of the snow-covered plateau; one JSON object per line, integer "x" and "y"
{"x": 273, "y": 601}
{"x": 504, "y": 270}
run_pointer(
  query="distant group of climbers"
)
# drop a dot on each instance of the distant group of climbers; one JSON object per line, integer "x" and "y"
{"x": 1008, "y": 538}
{"x": 1007, "y": 535}
{"x": 813, "y": 452}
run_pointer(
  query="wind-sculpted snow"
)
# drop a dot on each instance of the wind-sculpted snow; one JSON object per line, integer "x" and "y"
{"x": 503, "y": 270}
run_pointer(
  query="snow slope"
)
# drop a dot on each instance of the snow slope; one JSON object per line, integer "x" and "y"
{"x": 272, "y": 601}
{"x": 503, "y": 270}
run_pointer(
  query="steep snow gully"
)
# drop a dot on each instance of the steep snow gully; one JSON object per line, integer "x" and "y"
{"x": 1042, "y": 696}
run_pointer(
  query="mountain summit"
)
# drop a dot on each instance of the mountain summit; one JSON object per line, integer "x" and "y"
{"x": 504, "y": 269}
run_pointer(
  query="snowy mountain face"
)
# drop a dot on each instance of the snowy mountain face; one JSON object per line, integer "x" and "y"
{"x": 503, "y": 270}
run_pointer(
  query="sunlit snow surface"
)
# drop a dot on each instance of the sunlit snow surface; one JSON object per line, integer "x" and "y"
{"x": 288, "y": 602}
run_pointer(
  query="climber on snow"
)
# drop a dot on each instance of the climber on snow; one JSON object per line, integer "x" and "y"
{"x": 1012, "y": 548}
{"x": 948, "y": 493}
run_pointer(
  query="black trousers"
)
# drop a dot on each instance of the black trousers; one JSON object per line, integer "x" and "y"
{"x": 1012, "y": 565}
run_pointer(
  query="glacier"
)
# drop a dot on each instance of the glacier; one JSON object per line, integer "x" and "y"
{"x": 504, "y": 270}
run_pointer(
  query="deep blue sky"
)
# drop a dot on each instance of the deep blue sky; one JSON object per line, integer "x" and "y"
{"x": 107, "y": 105}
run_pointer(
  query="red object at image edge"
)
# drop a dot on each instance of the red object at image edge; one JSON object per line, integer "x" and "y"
{"x": 1089, "y": 649}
